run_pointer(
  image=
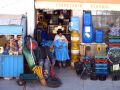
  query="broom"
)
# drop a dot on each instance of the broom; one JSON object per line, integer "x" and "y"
{"x": 38, "y": 70}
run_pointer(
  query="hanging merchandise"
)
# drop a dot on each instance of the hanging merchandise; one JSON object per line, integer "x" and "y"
{"x": 44, "y": 35}
{"x": 99, "y": 37}
{"x": 87, "y": 34}
{"x": 114, "y": 54}
{"x": 87, "y": 18}
{"x": 75, "y": 23}
{"x": 115, "y": 31}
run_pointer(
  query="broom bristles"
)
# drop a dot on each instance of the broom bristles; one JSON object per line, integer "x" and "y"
{"x": 43, "y": 82}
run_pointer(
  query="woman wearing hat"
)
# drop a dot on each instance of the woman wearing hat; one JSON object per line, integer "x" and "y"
{"x": 61, "y": 48}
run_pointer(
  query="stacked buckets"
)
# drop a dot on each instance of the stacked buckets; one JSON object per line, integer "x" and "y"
{"x": 75, "y": 39}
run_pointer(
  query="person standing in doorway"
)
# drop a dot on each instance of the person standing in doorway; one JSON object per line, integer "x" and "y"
{"x": 61, "y": 48}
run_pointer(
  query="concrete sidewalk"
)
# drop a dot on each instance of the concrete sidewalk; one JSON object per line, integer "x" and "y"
{"x": 70, "y": 82}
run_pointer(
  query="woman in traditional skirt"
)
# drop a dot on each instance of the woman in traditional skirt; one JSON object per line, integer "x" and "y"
{"x": 61, "y": 48}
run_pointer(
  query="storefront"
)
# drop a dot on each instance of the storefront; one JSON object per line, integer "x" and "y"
{"x": 96, "y": 19}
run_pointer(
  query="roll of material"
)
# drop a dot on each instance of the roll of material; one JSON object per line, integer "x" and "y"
{"x": 102, "y": 72}
{"x": 114, "y": 44}
{"x": 101, "y": 64}
{"x": 114, "y": 40}
{"x": 75, "y": 37}
{"x": 101, "y": 56}
{"x": 114, "y": 37}
{"x": 101, "y": 60}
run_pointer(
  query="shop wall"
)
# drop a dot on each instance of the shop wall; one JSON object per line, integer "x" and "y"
{"x": 20, "y": 7}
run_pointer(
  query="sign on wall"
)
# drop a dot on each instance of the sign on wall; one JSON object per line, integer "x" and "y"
{"x": 76, "y": 6}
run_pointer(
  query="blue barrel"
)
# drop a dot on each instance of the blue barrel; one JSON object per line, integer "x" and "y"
{"x": 99, "y": 37}
{"x": 87, "y": 34}
{"x": 87, "y": 18}
{"x": 75, "y": 23}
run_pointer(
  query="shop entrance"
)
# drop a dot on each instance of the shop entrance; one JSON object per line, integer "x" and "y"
{"x": 48, "y": 22}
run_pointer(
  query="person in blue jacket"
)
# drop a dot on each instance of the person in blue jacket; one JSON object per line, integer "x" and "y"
{"x": 61, "y": 48}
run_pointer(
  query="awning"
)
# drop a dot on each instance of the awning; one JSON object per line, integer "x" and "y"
{"x": 11, "y": 29}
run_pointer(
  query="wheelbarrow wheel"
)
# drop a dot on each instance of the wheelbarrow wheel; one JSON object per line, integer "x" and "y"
{"x": 21, "y": 82}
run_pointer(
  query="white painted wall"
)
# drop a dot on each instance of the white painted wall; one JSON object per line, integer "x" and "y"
{"x": 20, "y": 7}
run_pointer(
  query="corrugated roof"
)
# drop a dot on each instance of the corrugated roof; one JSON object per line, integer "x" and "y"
{"x": 10, "y": 19}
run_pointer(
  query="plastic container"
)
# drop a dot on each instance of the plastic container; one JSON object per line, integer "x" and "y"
{"x": 99, "y": 36}
{"x": 87, "y": 18}
{"x": 87, "y": 34}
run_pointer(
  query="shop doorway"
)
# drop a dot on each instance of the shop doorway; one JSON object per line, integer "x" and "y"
{"x": 49, "y": 21}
